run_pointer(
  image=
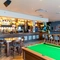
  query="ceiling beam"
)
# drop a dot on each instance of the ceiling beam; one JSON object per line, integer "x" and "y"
{"x": 20, "y": 15}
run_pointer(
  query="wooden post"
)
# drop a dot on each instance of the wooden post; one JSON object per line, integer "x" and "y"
{"x": 8, "y": 49}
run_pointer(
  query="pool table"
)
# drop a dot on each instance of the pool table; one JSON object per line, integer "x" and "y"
{"x": 42, "y": 51}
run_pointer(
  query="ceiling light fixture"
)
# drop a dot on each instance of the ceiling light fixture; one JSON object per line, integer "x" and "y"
{"x": 58, "y": 13}
{"x": 32, "y": 8}
{"x": 59, "y": 6}
{"x": 40, "y": 0}
{"x": 7, "y": 3}
{"x": 40, "y": 10}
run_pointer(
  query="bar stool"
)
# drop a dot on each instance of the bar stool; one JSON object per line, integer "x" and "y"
{"x": 51, "y": 39}
{"x": 59, "y": 39}
{"x": 56, "y": 38}
{"x": 17, "y": 46}
{"x": 12, "y": 48}
{"x": 43, "y": 36}
{"x": 46, "y": 37}
{"x": 21, "y": 45}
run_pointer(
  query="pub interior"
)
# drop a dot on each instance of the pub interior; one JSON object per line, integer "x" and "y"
{"x": 14, "y": 32}
{"x": 28, "y": 36}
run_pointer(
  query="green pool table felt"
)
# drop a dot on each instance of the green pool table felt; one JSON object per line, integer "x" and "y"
{"x": 46, "y": 50}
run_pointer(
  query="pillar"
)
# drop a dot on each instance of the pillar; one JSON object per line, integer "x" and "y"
{"x": 8, "y": 53}
{"x": 34, "y": 26}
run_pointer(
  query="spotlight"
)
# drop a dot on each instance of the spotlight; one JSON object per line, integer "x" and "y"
{"x": 6, "y": 3}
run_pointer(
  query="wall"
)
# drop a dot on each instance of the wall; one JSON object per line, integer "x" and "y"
{"x": 20, "y": 15}
{"x": 55, "y": 27}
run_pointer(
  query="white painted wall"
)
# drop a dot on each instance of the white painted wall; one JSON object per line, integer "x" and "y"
{"x": 20, "y": 15}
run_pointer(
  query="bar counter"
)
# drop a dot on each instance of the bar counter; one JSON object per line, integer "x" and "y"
{"x": 17, "y": 34}
{"x": 27, "y": 36}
